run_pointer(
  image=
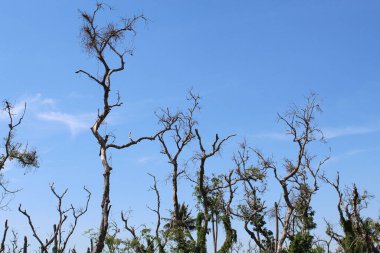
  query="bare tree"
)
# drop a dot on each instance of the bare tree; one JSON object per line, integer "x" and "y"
{"x": 60, "y": 237}
{"x": 143, "y": 241}
{"x": 211, "y": 196}
{"x": 298, "y": 183}
{"x": 253, "y": 210}
{"x": 173, "y": 143}
{"x": 14, "y": 151}
{"x": 105, "y": 44}
{"x": 4, "y": 237}
{"x": 359, "y": 234}
{"x": 160, "y": 238}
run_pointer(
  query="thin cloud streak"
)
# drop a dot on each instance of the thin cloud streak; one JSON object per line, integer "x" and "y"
{"x": 75, "y": 123}
{"x": 146, "y": 159}
{"x": 271, "y": 136}
{"x": 331, "y": 133}
{"x": 32, "y": 103}
{"x": 44, "y": 108}
{"x": 353, "y": 152}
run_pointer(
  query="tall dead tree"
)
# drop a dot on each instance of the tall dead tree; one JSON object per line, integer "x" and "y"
{"x": 4, "y": 237}
{"x": 11, "y": 150}
{"x": 173, "y": 143}
{"x": 206, "y": 190}
{"x": 105, "y": 43}
{"x": 297, "y": 178}
{"x": 303, "y": 130}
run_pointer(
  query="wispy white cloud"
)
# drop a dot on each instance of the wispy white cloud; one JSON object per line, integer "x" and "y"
{"x": 75, "y": 123}
{"x": 331, "y": 133}
{"x": 40, "y": 100}
{"x": 17, "y": 110}
{"x": 277, "y": 136}
{"x": 44, "y": 108}
{"x": 146, "y": 159}
{"x": 32, "y": 103}
{"x": 353, "y": 152}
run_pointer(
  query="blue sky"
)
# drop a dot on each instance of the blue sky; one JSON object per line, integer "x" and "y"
{"x": 247, "y": 59}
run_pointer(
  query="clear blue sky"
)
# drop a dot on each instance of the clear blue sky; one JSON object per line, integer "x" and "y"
{"x": 247, "y": 59}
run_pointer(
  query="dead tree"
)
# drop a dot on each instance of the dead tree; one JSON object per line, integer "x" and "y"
{"x": 359, "y": 234}
{"x": 147, "y": 242}
{"x": 253, "y": 210}
{"x": 60, "y": 237}
{"x": 298, "y": 180}
{"x": 206, "y": 190}
{"x": 104, "y": 42}
{"x": 160, "y": 239}
{"x": 4, "y": 237}
{"x": 14, "y": 151}
{"x": 13, "y": 247}
{"x": 226, "y": 214}
{"x": 173, "y": 143}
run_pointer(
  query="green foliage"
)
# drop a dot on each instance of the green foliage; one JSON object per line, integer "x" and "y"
{"x": 254, "y": 213}
{"x": 201, "y": 234}
{"x": 254, "y": 174}
{"x": 231, "y": 235}
{"x": 301, "y": 243}
{"x": 180, "y": 231}
{"x": 360, "y": 234}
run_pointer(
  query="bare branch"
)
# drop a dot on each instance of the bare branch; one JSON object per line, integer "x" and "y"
{"x": 2, "y": 245}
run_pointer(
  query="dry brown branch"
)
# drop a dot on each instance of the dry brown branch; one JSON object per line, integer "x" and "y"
{"x": 157, "y": 211}
{"x": 105, "y": 43}
{"x": 13, "y": 151}
{"x": 298, "y": 179}
{"x": 180, "y": 127}
{"x": 205, "y": 189}
{"x": 2, "y": 245}
{"x": 60, "y": 236}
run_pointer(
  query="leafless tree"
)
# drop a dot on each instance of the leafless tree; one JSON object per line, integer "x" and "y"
{"x": 105, "y": 43}
{"x": 13, "y": 151}
{"x": 147, "y": 242}
{"x": 359, "y": 234}
{"x": 173, "y": 143}
{"x": 4, "y": 237}
{"x": 160, "y": 239}
{"x": 253, "y": 210}
{"x": 13, "y": 247}
{"x": 297, "y": 178}
{"x": 60, "y": 237}
{"x": 207, "y": 189}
